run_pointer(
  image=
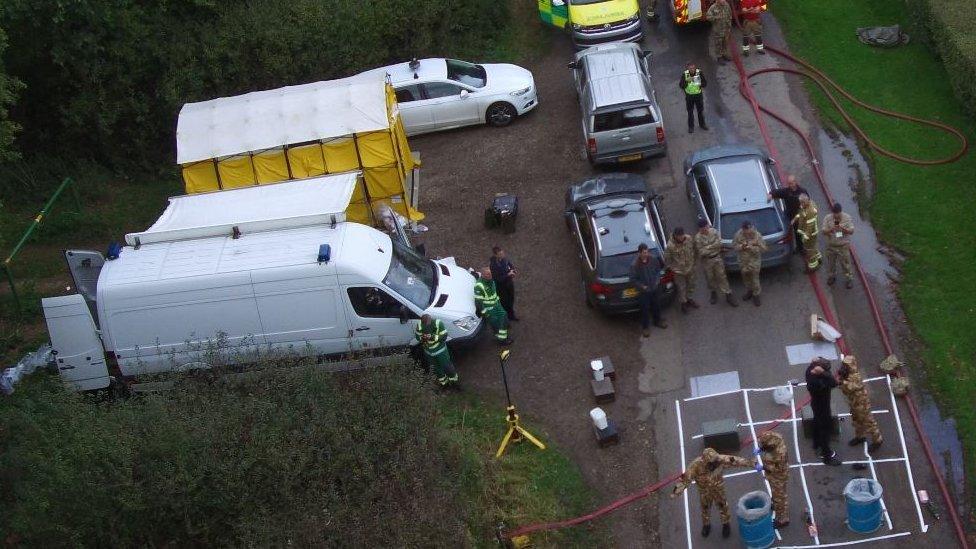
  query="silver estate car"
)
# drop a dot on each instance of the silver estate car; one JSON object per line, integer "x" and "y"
{"x": 620, "y": 115}
{"x": 728, "y": 184}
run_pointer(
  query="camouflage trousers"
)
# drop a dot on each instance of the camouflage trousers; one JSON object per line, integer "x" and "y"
{"x": 780, "y": 495}
{"x": 841, "y": 255}
{"x": 686, "y": 285}
{"x": 750, "y": 277}
{"x": 714, "y": 497}
{"x": 719, "y": 40}
{"x": 715, "y": 275}
{"x": 865, "y": 426}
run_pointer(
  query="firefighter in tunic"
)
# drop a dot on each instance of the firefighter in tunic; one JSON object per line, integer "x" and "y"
{"x": 488, "y": 305}
{"x": 806, "y": 225}
{"x": 852, "y": 385}
{"x": 432, "y": 336}
{"x": 706, "y": 471}
{"x": 777, "y": 467}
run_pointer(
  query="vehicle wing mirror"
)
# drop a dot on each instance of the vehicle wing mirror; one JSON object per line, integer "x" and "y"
{"x": 464, "y": 94}
{"x": 571, "y": 65}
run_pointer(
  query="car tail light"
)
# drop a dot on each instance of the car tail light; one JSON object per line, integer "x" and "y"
{"x": 600, "y": 289}
{"x": 660, "y": 134}
{"x": 667, "y": 277}
{"x": 591, "y": 145}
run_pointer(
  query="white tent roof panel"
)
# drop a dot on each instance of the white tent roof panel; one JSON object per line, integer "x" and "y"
{"x": 297, "y": 203}
{"x": 294, "y": 114}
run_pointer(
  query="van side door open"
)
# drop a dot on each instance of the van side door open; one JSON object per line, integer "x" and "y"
{"x": 85, "y": 266}
{"x": 80, "y": 357}
{"x": 377, "y": 319}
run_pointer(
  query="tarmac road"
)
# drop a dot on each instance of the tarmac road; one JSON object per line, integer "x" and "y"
{"x": 536, "y": 158}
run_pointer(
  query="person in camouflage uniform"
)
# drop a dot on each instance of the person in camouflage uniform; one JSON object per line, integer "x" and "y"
{"x": 719, "y": 14}
{"x": 708, "y": 246}
{"x": 777, "y": 467}
{"x": 750, "y": 245}
{"x": 706, "y": 471}
{"x": 806, "y": 226}
{"x": 852, "y": 385}
{"x": 838, "y": 228}
{"x": 679, "y": 256}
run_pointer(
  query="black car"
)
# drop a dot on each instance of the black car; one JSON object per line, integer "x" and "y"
{"x": 609, "y": 216}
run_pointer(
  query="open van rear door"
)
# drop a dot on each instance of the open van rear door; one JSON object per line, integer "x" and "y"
{"x": 79, "y": 354}
{"x": 85, "y": 266}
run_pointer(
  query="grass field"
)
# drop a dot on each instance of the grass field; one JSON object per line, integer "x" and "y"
{"x": 924, "y": 212}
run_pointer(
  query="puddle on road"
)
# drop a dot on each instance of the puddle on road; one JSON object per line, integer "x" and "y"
{"x": 842, "y": 162}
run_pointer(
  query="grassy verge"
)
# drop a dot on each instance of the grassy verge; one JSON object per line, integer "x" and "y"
{"x": 295, "y": 456}
{"x": 925, "y": 212}
{"x": 526, "y": 486}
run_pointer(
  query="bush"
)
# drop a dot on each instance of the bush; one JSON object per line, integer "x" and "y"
{"x": 9, "y": 87}
{"x": 106, "y": 79}
{"x": 948, "y": 26}
{"x": 297, "y": 457}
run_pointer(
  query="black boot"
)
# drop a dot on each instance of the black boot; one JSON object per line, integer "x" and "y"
{"x": 730, "y": 299}
{"x": 714, "y": 298}
{"x": 726, "y": 530}
{"x": 855, "y": 441}
{"x": 706, "y": 529}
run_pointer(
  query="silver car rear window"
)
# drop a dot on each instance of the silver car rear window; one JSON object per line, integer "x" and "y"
{"x": 767, "y": 221}
{"x": 623, "y": 118}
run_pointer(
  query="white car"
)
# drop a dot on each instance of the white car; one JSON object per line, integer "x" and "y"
{"x": 440, "y": 94}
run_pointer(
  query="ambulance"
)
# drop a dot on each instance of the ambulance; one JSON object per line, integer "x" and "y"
{"x": 594, "y": 21}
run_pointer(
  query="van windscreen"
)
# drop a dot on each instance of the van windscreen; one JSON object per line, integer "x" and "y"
{"x": 624, "y": 118}
{"x": 411, "y": 275}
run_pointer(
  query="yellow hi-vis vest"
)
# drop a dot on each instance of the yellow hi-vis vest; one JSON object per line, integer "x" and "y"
{"x": 694, "y": 82}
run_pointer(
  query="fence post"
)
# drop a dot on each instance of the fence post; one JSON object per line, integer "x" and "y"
{"x": 13, "y": 289}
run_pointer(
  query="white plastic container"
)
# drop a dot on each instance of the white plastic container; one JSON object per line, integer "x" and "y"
{"x": 599, "y": 418}
{"x": 597, "y": 366}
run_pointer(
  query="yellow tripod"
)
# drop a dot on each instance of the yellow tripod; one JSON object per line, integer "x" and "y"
{"x": 515, "y": 432}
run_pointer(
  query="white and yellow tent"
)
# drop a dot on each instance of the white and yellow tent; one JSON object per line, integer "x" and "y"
{"x": 297, "y": 132}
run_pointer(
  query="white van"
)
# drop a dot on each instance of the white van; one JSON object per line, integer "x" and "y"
{"x": 239, "y": 273}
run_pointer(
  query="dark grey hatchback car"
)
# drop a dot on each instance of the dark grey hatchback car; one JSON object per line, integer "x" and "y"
{"x": 609, "y": 216}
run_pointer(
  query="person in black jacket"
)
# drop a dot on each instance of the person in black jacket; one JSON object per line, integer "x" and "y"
{"x": 503, "y": 273}
{"x": 693, "y": 84}
{"x": 790, "y": 195}
{"x": 645, "y": 273}
{"x": 820, "y": 382}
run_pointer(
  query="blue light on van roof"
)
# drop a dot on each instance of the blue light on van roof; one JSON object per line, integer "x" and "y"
{"x": 114, "y": 251}
{"x": 325, "y": 253}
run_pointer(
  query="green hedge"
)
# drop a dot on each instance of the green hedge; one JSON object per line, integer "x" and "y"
{"x": 294, "y": 458}
{"x": 949, "y": 25}
{"x": 106, "y": 78}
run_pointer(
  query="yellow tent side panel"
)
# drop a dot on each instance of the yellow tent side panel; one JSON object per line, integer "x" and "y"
{"x": 376, "y": 149}
{"x": 383, "y": 182}
{"x": 270, "y": 166}
{"x": 340, "y": 155}
{"x": 403, "y": 146}
{"x": 359, "y": 213}
{"x": 306, "y": 161}
{"x": 200, "y": 177}
{"x": 235, "y": 172}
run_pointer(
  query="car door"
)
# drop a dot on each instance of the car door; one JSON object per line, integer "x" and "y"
{"x": 585, "y": 244}
{"x": 414, "y": 111}
{"x": 451, "y": 104}
{"x": 377, "y": 319}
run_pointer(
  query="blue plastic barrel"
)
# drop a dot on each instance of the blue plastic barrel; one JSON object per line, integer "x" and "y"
{"x": 864, "y": 512}
{"x": 755, "y": 516}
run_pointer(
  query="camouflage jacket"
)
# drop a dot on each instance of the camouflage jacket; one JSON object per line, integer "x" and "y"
{"x": 750, "y": 247}
{"x": 832, "y": 228}
{"x": 775, "y": 461}
{"x": 708, "y": 479}
{"x": 680, "y": 256}
{"x": 708, "y": 245}
{"x": 720, "y": 14}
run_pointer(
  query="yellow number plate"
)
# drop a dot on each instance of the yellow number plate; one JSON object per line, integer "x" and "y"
{"x": 630, "y": 292}
{"x": 629, "y": 158}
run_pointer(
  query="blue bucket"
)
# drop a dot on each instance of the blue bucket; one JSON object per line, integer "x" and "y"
{"x": 864, "y": 512}
{"x": 755, "y": 516}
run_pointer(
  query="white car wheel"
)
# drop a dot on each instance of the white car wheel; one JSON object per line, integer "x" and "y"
{"x": 500, "y": 114}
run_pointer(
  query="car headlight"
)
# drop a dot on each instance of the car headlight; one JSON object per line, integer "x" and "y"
{"x": 467, "y": 323}
{"x": 522, "y": 91}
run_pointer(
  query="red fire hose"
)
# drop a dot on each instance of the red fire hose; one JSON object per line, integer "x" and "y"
{"x": 825, "y": 84}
